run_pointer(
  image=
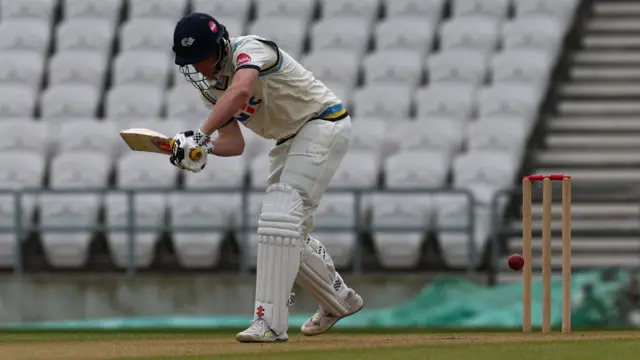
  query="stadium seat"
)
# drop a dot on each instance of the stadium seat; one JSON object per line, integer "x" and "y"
{"x": 301, "y": 9}
{"x": 508, "y": 134}
{"x": 509, "y": 100}
{"x": 369, "y": 135}
{"x": 288, "y": 33}
{"x": 17, "y": 101}
{"x": 157, "y": 9}
{"x": 383, "y": 101}
{"x": 399, "y": 222}
{"x": 411, "y": 34}
{"x": 22, "y": 169}
{"x": 69, "y": 101}
{"x": 141, "y": 67}
{"x": 497, "y": 9}
{"x": 417, "y": 169}
{"x": 235, "y": 27}
{"x": 359, "y": 169}
{"x": 463, "y": 66}
{"x": 259, "y": 171}
{"x": 563, "y": 10}
{"x": 149, "y": 212}
{"x": 136, "y": 170}
{"x": 221, "y": 172}
{"x": 431, "y": 133}
{"x": 147, "y": 34}
{"x": 425, "y": 9}
{"x": 201, "y": 248}
{"x": 320, "y": 63}
{"x": 224, "y": 10}
{"x": 28, "y": 136}
{"x": 21, "y": 68}
{"x": 40, "y": 10}
{"x": 521, "y": 66}
{"x": 337, "y": 210}
{"x": 543, "y": 33}
{"x": 77, "y": 67}
{"x": 391, "y": 67}
{"x": 86, "y": 136}
{"x": 134, "y": 101}
{"x": 92, "y": 9}
{"x": 80, "y": 34}
{"x": 484, "y": 172}
{"x": 184, "y": 102}
{"x": 65, "y": 248}
{"x": 341, "y": 34}
{"x": 455, "y": 101}
{"x": 76, "y": 170}
{"x": 477, "y": 33}
{"x": 24, "y": 35}
{"x": 366, "y": 9}
{"x": 342, "y": 91}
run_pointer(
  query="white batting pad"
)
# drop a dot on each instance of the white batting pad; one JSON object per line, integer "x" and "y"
{"x": 279, "y": 244}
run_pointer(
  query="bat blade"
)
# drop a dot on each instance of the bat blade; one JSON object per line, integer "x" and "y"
{"x": 147, "y": 140}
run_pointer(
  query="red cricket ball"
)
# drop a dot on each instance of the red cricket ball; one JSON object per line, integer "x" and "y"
{"x": 516, "y": 262}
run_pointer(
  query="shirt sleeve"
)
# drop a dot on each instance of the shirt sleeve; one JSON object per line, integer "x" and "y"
{"x": 254, "y": 54}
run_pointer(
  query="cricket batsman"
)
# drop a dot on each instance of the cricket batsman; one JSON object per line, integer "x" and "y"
{"x": 249, "y": 80}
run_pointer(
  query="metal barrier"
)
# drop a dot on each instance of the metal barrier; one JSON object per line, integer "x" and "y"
{"x": 243, "y": 227}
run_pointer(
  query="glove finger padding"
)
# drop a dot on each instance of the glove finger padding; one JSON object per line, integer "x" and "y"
{"x": 183, "y": 143}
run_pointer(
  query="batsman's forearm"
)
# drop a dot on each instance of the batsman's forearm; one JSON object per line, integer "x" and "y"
{"x": 228, "y": 105}
{"x": 227, "y": 147}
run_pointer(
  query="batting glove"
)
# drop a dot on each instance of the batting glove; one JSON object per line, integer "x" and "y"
{"x": 182, "y": 148}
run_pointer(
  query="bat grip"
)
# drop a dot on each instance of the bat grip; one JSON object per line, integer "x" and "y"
{"x": 196, "y": 154}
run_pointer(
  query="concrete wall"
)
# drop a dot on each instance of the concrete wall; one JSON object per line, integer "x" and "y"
{"x": 51, "y": 298}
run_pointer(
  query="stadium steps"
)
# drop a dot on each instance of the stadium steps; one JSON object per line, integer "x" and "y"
{"x": 591, "y": 131}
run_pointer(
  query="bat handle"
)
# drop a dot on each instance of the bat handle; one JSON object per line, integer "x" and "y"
{"x": 196, "y": 154}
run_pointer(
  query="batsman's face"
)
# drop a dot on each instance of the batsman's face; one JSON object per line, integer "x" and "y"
{"x": 207, "y": 67}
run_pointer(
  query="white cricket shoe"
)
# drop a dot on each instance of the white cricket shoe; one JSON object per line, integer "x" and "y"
{"x": 322, "y": 321}
{"x": 261, "y": 332}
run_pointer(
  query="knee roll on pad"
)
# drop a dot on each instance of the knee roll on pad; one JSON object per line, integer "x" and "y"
{"x": 279, "y": 245}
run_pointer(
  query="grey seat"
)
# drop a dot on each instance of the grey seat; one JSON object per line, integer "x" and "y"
{"x": 146, "y": 34}
{"x": 417, "y": 169}
{"x": 77, "y": 67}
{"x": 366, "y": 9}
{"x": 80, "y": 170}
{"x": 402, "y": 67}
{"x": 539, "y": 32}
{"x": 336, "y": 210}
{"x": 224, "y": 10}
{"x": 184, "y": 102}
{"x": 87, "y": 135}
{"x": 521, "y": 66}
{"x": 92, "y": 9}
{"x": 69, "y": 101}
{"x": 320, "y": 63}
{"x": 478, "y": 33}
{"x": 143, "y": 67}
{"x": 302, "y": 9}
{"x": 41, "y": 10}
{"x": 137, "y": 170}
{"x": 431, "y": 133}
{"x": 369, "y": 135}
{"x": 288, "y": 33}
{"x": 497, "y": 9}
{"x": 426, "y": 9}
{"x": 458, "y": 66}
{"x": 159, "y": 9}
{"x": 456, "y": 101}
{"x": 134, "y": 101}
{"x": 390, "y": 102}
{"x": 24, "y": 35}
{"x": 484, "y": 172}
{"x": 413, "y": 34}
{"x": 21, "y": 68}
{"x": 359, "y": 169}
{"x": 341, "y": 34}
{"x": 563, "y": 10}
{"x": 85, "y": 34}
{"x": 211, "y": 176}
{"x": 509, "y": 100}
{"x": 17, "y": 101}
{"x": 499, "y": 133}
{"x": 26, "y": 136}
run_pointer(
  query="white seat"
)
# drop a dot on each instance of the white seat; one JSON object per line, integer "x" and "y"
{"x": 382, "y": 101}
{"x": 366, "y": 9}
{"x": 184, "y": 102}
{"x": 87, "y": 136}
{"x": 301, "y": 9}
{"x": 484, "y": 172}
{"x": 395, "y": 248}
{"x": 219, "y": 172}
{"x": 495, "y": 133}
{"x": 146, "y": 34}
{"x": 80, "y": 34}
{"x": 158, "y": 9}
{"x": 390, "y": 67}
{"x": 77, "y": 67}
{"x": 134, "y": 100}
{"x": 427, "y": 9}
{"x": 288, "y": 33}
{"x": 224, "y": 10}
{"x": 417, "y": 169}
{"x": 509, "y": 100}
{"x": 24, "y": 35}
{"x": 149, "y": 212}
{"x": 432, "y": 133}
{"x": 17, "y": 101}
{"x": 80, "y": 170}
{"x": 352, "y": 34}
{"x": 320, "y": 63}
{"x": 561, "y": 9}
{"x": 467, "y": 66}
{"x": 521, "y": 66}
{"x": 259, "y": 170}
{"x": 92, "y": 9}
{"x": 497, "y": 9}
{"x": 478, "y": 33}
{"x": 359, "y": 169}
{"x": 25, "y": 136}
{"x": 21, "y": 169}
{"x": 456, "y": 101}
{"x": 535, "y": 32}
{"x": 137, "y": 170}
{"x": 202, "y": 248}
{"x": 41, "y": 10}
{"x": 21, "y": 68}
{"x": 66, "y": 248}
{"x": 69, "y": 101}
{"x": 129, "y": 68}
{"x": 414, "y": 34}
{"x": 368, "y": 135}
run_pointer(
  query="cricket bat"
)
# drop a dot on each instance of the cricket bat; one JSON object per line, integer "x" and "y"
{"x": 152, "y": 141}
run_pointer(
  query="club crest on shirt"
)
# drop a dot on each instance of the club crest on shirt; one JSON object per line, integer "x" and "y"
{"x": 249, "y": 110}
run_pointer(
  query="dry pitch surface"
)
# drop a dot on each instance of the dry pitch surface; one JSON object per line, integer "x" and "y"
{"x": 131, "y": 346}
